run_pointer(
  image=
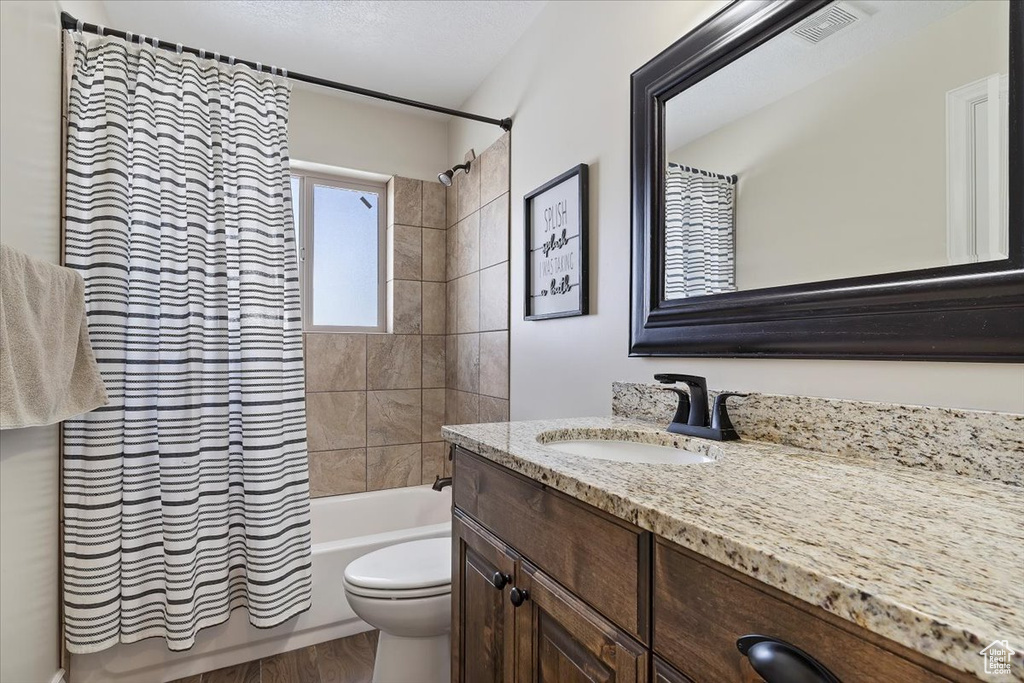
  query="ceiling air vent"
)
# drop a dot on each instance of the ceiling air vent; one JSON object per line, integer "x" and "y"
{"x": 827, "y": 22}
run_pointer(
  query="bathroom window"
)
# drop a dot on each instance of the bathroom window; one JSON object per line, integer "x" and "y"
{"x": 340, "y": 229}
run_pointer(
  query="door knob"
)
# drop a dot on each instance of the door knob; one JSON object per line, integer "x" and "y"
{"x": 499, "y": 580}
{"x": 518, "y": 596}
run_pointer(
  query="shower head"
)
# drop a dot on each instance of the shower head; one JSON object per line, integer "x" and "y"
{"x": 447, "y": 176}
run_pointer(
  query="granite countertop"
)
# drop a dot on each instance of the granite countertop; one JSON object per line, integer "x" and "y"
{"x": 932, "y": 561}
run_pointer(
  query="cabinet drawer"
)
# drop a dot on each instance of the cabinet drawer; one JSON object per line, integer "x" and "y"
{"x": 701, "y": 608}
{"x": 602, "y": 560}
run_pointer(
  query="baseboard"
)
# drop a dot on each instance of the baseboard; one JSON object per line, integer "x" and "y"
{"x": 58, "y": 677}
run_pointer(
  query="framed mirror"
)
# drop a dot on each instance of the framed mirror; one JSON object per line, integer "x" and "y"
{"x": 832, "y": 179}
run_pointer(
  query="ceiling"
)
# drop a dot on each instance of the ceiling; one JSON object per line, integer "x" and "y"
{"x": 430, "y": 50}
{"x": 786, "y": 64}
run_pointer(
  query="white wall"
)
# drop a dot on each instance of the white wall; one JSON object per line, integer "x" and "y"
{"x": 29, "y": 221}
{"x": 877, "y": 129}
{"x": 30, "y": 131}
{"x": 566, "y": 83}
{"x": 338, "y": 129}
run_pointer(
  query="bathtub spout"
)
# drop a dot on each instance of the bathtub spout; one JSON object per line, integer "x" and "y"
{"x": 441, "y": 482}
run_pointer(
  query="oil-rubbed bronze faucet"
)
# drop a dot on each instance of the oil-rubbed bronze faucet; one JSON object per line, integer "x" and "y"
{"x": 441, "y": 482}
{"x": 691, "y": 416}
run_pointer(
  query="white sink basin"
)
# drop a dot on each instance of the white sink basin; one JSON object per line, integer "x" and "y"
{"x": 628, "y": 451}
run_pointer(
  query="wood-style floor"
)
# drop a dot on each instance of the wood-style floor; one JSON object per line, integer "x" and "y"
{"x": 346, "y": 660}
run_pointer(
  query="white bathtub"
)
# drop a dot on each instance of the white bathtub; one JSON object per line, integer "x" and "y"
{"x": 344, "y": 528}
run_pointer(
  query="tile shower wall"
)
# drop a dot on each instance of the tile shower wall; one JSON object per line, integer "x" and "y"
{"x": 375, "y": 402}
{"x": 478, "y": 290}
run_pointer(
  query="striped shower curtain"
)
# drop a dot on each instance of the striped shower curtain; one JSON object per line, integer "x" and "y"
{"x": 700, "y": 232}
{"x": 187, "y": 496}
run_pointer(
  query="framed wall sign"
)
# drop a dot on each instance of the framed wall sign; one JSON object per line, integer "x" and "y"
{"x": 556, "y": 217}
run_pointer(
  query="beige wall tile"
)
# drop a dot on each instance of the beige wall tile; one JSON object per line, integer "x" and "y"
{"x": 494, "y": 298}
{"x": 451, "y": 309}
{"x": 405, "y": 255}
{"x": 493, "y": 409}
{"x": 406, "y": 307}
{"x": 336, "y": 420}
{"x": 451, "y": 361}
{"x": 451, "y": 216}
{"x": 494, "y": 364}
{"x": 434, "y": 208}
{"x": 469, "y": 190}
{"x": 467, "y": 408}
{"x": 494, "y": 229}
{"x": 393, "y": 466}
{"x": 467, "y": 246}
{"x": 435, "y": 454}
{"x": 333, "y": 473}
{"x": 468, "y": 360}
{"x": 467, "y": 308}
{"x": 393, "y": 361}
{"x": 433, "y": 414}
{"x": 434, "y": 353}
{"x": 335, "y": 362}
{"x": 494, "y": 170}
{"x": 435, "y": 254}
{"x": 451, "y": 406}
{"x": 408, "y": 201}
{"x": 434, "y": 305}
{"x": 393, "y": 417}
{"x": 452, "y": 249}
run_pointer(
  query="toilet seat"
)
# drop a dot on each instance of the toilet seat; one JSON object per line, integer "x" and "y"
{"x": 415, "y": 569}
{"x": 388, "y": 594}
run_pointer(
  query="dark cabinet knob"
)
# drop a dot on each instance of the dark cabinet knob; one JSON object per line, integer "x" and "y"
{"x": 777, "y": 661}
{"x": 518, "y": 596}
{"x": 499, "y": 580}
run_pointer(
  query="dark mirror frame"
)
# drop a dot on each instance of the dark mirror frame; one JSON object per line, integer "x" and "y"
{"x": 969, "y": 312}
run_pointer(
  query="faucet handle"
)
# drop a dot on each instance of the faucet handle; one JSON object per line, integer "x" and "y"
{"x": 698, "y": 389}
{"x": 720, "y": 414}
{"x": 683, "y": 407}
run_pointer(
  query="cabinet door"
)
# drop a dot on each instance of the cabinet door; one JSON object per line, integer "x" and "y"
{"x": 560, "y": 639}
{"x": 483, "y": 619}
{"x": 663, "y": 673}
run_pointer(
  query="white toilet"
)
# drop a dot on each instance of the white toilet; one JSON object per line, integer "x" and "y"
{"x": 405, "y": 591}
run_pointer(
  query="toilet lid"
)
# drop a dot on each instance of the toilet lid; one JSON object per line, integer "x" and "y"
{"x": 405, "y": 566}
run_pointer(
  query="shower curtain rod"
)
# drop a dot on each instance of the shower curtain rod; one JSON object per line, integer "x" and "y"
{"x": 71, "y": 23}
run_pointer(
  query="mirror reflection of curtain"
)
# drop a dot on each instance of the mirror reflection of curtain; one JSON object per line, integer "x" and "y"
{"x": 700, "y": 232}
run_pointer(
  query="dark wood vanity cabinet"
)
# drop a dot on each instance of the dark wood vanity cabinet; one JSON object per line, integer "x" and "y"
{"x": 514, "y": 617}
{"x": 483, "y": 618}
{"x": 546, "y": 588}
{"x": 511, "y": 622}
{"x": 701, "y": 608}
{"x": 559, "y": 638}
{"x": 664, "y": 673}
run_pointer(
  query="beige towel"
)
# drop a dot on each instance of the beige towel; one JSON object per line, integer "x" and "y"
{"x": 47, "y": 369}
